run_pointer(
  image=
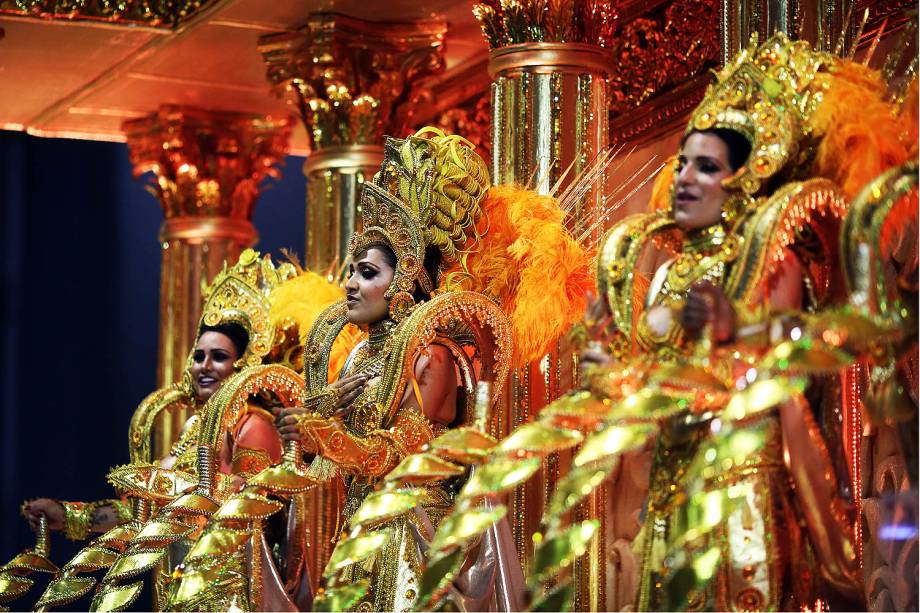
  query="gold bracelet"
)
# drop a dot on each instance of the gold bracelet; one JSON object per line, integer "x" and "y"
{"x": 78, "y": 519}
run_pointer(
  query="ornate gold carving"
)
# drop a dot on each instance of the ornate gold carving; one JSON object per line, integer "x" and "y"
{"x": 126, "y": 12}
{"x": 663, "y": 49}
{"x": 536, "y": 21}
{"x": 348, "y": 77}
{"x": 207, "y": 164}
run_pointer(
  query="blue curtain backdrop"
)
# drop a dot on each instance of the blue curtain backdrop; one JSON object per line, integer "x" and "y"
{"x": 79, "y": 299}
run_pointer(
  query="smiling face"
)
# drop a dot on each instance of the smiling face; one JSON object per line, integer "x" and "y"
{"x": 370, "y": 275}
{"x": 212, "y": 362}
{"x": 703, "y": 164}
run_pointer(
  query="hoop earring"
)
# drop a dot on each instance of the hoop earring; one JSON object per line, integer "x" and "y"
{"x": 401, "y": 304}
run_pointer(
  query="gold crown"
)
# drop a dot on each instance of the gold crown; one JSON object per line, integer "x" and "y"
{"x": 426, "y": 193}
{"x": 240, "y": 294}
{"x": 767, "y": 94}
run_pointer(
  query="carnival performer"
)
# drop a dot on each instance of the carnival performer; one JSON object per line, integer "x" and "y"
{"x": 210, "y": 362}
{"x": 235, "y": 332}
{"x": 415, "y": 376}
{"x": 746, "y": 227}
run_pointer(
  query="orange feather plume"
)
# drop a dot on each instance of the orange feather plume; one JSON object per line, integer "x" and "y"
{"x": 301, "y": 300}
{"x": 528, "y": 261}
{"x": 860, "y": 134}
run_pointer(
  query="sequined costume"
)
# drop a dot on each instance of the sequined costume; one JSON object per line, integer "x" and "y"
{"x": 425, "y": 196}
{"x": 786, "y": 539}
{"x": 209, "y": 459}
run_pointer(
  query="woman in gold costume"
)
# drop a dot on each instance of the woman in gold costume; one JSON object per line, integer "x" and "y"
{"x": 235, "y": 332}
{"x": 415, "y": 375}
{"x": 746, "y": 228}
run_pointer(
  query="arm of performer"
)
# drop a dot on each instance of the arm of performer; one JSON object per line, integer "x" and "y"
{"x": 829, "y": 519}
{"x": 77, "y": 519}
{"x": 427, "y": 400}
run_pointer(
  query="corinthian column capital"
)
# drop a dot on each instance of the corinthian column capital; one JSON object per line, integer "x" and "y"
{"x": 206, "y": 163}
{"x": 348, "y": 78}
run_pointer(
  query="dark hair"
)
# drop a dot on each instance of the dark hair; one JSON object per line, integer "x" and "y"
{"x": 235, "y": 332}
{"x": 739, "y": 147}
{"x": 431, "y": 264}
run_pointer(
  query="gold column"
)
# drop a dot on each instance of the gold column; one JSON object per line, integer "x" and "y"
{"x": 549, "y": 112}
{"x": 207, "y": 168}
{"x": 352, "y": 82}
{"x": 741, "y": 18}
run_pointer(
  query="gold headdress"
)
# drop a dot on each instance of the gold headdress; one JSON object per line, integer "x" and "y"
{"x": 240, "y": 295}
{"x": 767, "y": 94}
{"x": 427, "y": 193}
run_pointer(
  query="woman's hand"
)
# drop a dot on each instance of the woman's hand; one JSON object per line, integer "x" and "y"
{"x": 52, "y": 509}
{"x": 707, "y": 303}
{"x": 345, "y": 391}
{"x": 287, "y": 422}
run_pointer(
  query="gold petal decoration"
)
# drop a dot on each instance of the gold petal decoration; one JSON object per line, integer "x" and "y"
{"x": 119, "y": 536}
{"x": 192, "y": 504}
{"x": 613, "y": 440}
{"x": 31, "y": 561}
{"x": 217, "y": 542}
{"x": 578, "y": 483}
{"x": 92, "y": 558}
{"x": 852, "y": 328}
{"x": 499, "y": 475}
{"x": 248, "y": 507}
{"x": 760, "y": 396}
{"x": 283, "y": 479}
{"x": 806, "y": 356}
{"x": 64, "y": 591}
{"x": 421, "y": 468}
{"x": 536, "y": 438}
{"x": 385, "y": 505}
{"x": 558, "y": 551}
{"x": 558, "y": 599}
{"x": 581, "y": 410}
{"x": 355, "y": 549}
{"x": 464, "y": 445}
{"x": 12, "y": 587}
{"x": 341, "y": 598}
{"x": 686, "y": 374}
{"x": 118, "y": 598}
{"x": 133, "y": 564}
{"x": 461, "y": 527}
{"x": 160, "y": 533}
{"x": 437, "y": 578}
{"x": 647, "y": 405}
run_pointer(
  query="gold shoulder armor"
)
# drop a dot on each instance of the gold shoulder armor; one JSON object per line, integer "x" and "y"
{"x": 230, "y": 403}
{"x": 319, "y": 345}
{"x": 473, "y": 327}
{"x": 804, "y": 217}
{"x": 880, "y": 203}
{"x": 140, "y": 432}
{"x": 617, "y": 258}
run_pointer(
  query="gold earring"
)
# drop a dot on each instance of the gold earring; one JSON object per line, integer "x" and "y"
{"x": 401, "y": 304}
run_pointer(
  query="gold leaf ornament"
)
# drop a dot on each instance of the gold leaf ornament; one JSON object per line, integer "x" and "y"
{"x": 421, "y": 468}
{"x": 499, "y": 475}
{"x": 613, "y": 440}
{"x": 385, "y": 505}
{"x": 355, "y": 549}
{"x": 341, "y": 598}
{"x": 536, "y": 438}
{"x": 558, "y": 551}
{"x": 578, "y": 483}
{"x": 463, "y": 526}
{"x": 464, "y": 445}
